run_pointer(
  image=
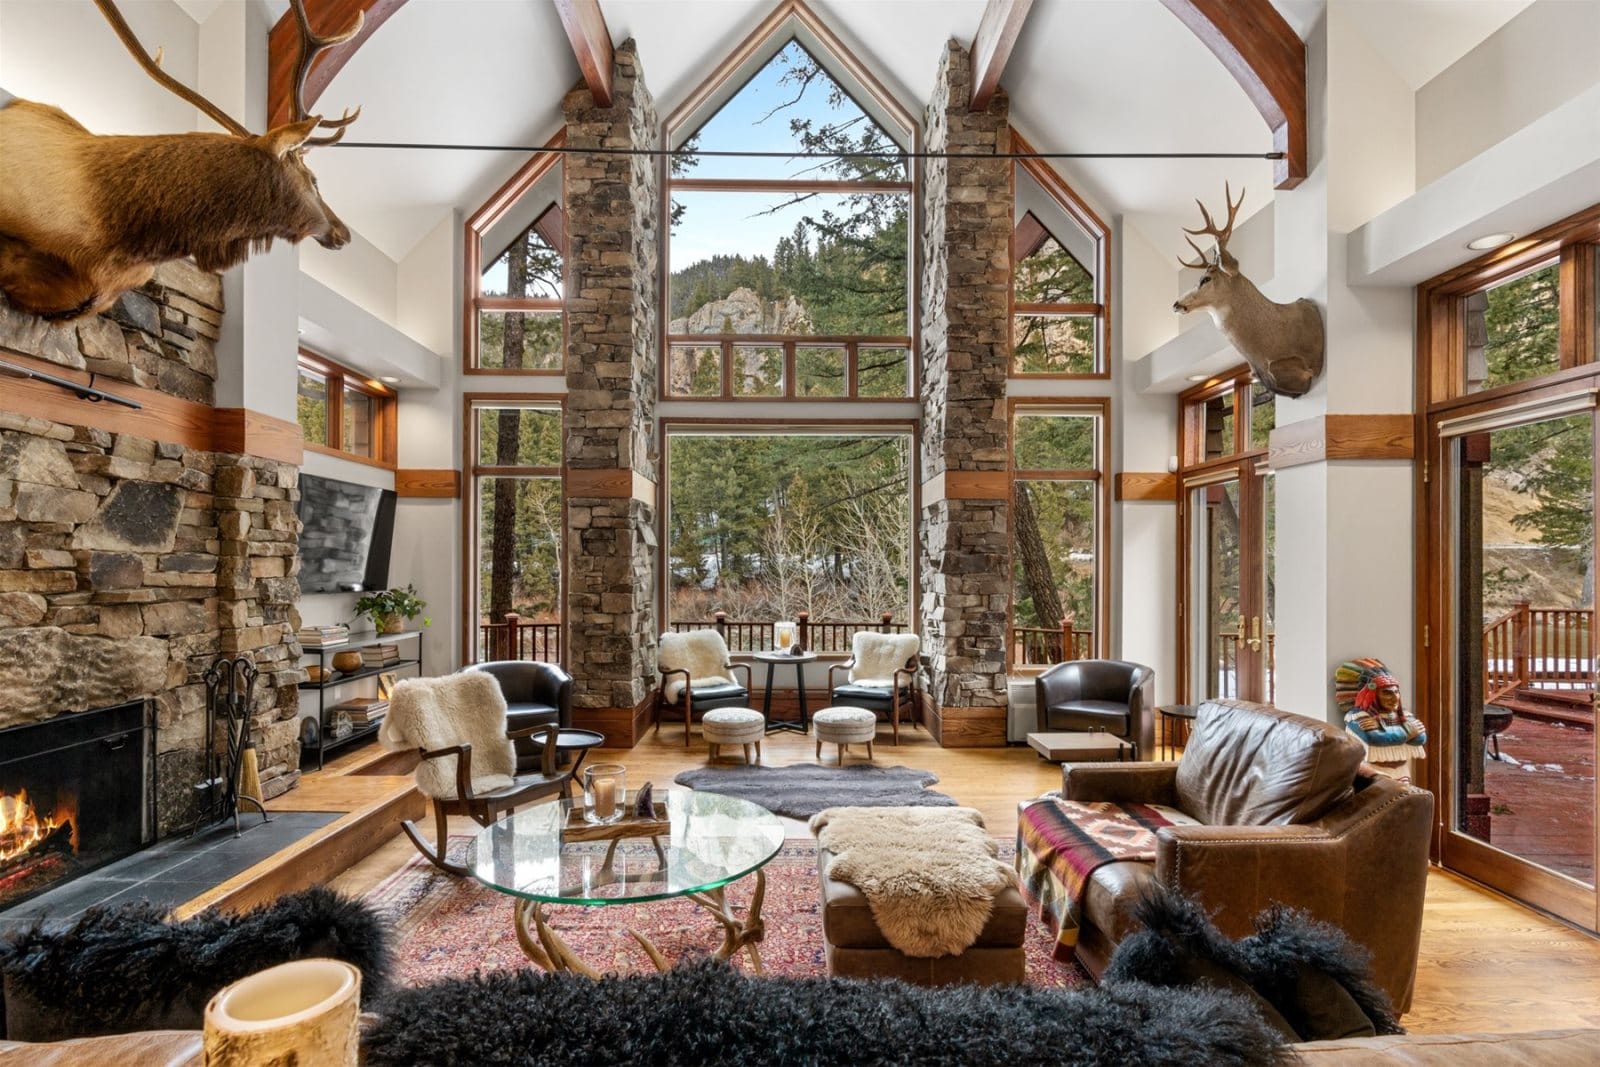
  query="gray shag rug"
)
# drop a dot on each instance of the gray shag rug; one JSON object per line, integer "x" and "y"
{"x": 804, "y": 789}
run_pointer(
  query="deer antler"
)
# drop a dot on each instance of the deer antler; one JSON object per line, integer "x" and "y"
{"x": 312, "y": 45}
{"x": 1210, "y": 227}
{"x": 152, "y": 67}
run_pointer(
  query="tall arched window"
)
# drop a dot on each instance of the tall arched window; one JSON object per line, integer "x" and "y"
{"x": 789, "y": 276}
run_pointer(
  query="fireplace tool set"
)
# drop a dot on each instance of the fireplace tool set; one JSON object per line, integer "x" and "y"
{"x": 230, "y": 766}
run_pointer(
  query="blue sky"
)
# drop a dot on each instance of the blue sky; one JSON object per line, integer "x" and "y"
{"x": 733, "y": 223}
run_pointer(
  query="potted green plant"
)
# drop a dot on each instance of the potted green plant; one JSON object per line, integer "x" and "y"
{"x": 392, "y": 609}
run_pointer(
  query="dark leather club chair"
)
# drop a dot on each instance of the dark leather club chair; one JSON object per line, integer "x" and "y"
{"x": 537, "y": 694}
{"x": 1100, "y": 694}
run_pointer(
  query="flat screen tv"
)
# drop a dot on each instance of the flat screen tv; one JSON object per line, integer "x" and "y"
{"x": 348, "y": 531}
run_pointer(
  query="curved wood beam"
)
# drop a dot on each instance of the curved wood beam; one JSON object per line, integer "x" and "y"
{"x": 283, "y": 50}
{"x": 1268, "y": 60}
{"x": 591, "y": 45}
{"x": 997, "y": 35}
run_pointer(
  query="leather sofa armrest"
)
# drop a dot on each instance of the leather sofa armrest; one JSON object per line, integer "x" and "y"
{"x": 1239, "y": 870}
{"x": 1134, "y": 783}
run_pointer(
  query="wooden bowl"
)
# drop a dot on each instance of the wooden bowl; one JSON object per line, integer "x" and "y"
{"x": 314, "y": 673}
{"x": 347, "y": 661}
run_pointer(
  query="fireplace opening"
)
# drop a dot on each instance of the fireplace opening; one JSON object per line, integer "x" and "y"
{"x": 76, "y": 792}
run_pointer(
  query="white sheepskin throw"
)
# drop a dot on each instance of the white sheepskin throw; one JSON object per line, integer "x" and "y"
{"x": 878, "y": 656}
{"x": 453, "y": 709}
{"x": 929, "y": 874}
{"x": 702, "y": 653}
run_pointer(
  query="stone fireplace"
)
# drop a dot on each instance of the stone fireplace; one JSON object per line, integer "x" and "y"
{"x": 76, "y": 792}
{"x": 129, "y": 562}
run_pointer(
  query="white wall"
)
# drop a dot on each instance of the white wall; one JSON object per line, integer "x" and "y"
{"x": 1543, "y": 57}
{"x": 102, "y": 86}
{"x": 359, "y": 272}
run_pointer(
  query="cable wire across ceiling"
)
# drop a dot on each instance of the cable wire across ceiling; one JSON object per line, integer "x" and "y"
{"x": 730, "y": 153}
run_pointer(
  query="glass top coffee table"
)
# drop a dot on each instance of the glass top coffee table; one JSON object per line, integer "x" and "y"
{"x": 541, "y": 856}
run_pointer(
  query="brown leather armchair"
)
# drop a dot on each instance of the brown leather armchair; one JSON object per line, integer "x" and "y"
{"x": 1287, "y": 813}
{"x": 1100, "y": 694}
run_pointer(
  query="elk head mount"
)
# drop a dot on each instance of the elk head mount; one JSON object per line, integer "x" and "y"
{"x": 84, "y": 218}
{"x": 1283, "y": 343}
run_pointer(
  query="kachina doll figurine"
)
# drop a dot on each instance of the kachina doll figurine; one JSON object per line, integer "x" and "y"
{"x": 1369, "y": 696}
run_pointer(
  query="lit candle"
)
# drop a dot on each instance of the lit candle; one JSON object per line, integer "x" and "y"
{"x": 605, "y": 797}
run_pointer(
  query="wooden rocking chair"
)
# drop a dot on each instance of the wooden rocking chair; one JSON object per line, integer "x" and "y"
{"x": 485, "y": 808}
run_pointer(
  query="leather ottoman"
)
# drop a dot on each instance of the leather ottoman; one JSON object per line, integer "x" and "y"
{"x": 856, "y": 948}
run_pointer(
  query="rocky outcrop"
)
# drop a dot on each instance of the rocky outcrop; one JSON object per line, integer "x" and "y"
{"x": 743, "y": 311}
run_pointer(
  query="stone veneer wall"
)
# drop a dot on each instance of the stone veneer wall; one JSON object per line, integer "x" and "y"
{"x": 613, "y": 244}
{"x": 965, "y": 286}
{"x": 128, "y": 564}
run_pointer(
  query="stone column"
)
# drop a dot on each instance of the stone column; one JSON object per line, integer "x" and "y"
{"x": 612, "y": 317}
{"x": 965, "y": 290}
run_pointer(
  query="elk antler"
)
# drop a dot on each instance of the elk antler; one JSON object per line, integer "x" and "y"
{"x": 152, "y": 67}
{"x": 1210, "y": 227}
{"x": 311, "y": 46}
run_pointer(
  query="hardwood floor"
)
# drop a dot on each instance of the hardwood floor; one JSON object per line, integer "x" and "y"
{"x": 1487, "y": 964}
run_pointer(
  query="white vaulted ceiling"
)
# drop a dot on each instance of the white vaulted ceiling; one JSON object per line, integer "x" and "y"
{"x": 1087, "y": 76}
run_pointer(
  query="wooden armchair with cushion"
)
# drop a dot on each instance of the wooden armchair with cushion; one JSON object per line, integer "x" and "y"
{"x": 880, "y": 675}
{"x": 468, "y": 766}
{"x": 696, "y": 676}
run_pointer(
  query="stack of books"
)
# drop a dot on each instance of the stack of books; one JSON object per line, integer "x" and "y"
{"x": 364, "y": 711}
{"x": 380, "y": 655}
{"x": 323, "y": 636}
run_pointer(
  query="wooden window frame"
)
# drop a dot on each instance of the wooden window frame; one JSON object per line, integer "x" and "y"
{"x": 910, "y": 428}
{"x": 689, "y": 114}
{"x": 1098, "y": 407}
{"x": 1440, "y": 388}
{"x": 473, "y": 301}
{"x": 471, "y": 404}
{"x": 1239, "y": 381}
{"x": 1085, "y": 218}
{"x": 385, "y": 412}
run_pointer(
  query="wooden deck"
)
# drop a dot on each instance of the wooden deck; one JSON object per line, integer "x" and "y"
{"x": 1487, "y": 964}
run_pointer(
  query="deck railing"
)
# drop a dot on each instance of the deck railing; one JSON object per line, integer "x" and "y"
{"x": 828, "y": 635}
{"x": 1538, "y": 648}
{"x": 516, "y": 638}
{"x": 1227, "y": 666}
{"x": 1040, "y": 646}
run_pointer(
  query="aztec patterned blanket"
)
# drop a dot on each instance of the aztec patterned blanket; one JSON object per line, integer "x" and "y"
{"x": 1060, "y": 843}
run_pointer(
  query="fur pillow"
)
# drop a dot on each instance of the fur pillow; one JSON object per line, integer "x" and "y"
{"x": 700, "y": 652}
{"x": 878, "y": 656}
{"x": 116, "y": 970}
{"x": 709, "y": 1013}
{"x": 454, "y": 709}
{"x": 1314, "y": 984}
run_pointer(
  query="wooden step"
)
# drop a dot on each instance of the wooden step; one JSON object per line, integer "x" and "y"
{"x": 1535, "y": 704}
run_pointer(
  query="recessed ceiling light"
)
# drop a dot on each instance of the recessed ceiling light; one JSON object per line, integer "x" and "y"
{"x": 388, "y": 379}
{"x": 1491, "y": 240}
{"x": 1199, "y": 377}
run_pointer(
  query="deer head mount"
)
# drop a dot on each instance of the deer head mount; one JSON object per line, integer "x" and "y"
{"x": 1283, "y": 343}
{"x": 84, "y": 218}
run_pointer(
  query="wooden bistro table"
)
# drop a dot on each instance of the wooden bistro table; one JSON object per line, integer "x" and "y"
{"x": 773, "y": 660}
{"x": 696, "y": 846}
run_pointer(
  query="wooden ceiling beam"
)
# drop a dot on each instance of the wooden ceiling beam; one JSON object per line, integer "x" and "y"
{"x": 1029, "y": 236}
{"x": 591, "y": 44}
{"x": 1268, "y": 60}
{"x": 283, "y": 49}
{"x": 997, "y": 35}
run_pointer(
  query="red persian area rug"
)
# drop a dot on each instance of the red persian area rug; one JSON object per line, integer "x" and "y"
{"x": 450, "y": 927}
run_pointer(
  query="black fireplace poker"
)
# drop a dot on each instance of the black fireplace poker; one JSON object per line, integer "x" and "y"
{"x": 230, "y": 689}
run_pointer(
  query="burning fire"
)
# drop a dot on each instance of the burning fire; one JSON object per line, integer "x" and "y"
{"x": 22, "y": 829}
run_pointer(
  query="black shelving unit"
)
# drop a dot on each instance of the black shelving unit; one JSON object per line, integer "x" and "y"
{"x": 325, "y": 743}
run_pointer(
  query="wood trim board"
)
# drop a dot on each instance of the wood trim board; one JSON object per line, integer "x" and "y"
{"x": 1146, "y": 485}
{"x": 427, "y": 484}
{"x": 1332, "y": 437}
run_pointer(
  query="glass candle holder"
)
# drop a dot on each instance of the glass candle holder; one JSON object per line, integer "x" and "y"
{"x": 783, "y": 636}
{"x": 604, "y": 792}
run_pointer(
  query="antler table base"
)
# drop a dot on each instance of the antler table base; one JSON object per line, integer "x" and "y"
{"x": 545, "y": 948}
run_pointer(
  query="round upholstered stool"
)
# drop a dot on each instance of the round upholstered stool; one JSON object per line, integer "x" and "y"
{"x": 734, "y": 726}
{"x": 844, "y": 726}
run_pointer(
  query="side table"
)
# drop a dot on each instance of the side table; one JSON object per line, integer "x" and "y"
{"x": 780, "y": 659}
{"x": 579, "y": 741}
{"x": 1169, "y": 719}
